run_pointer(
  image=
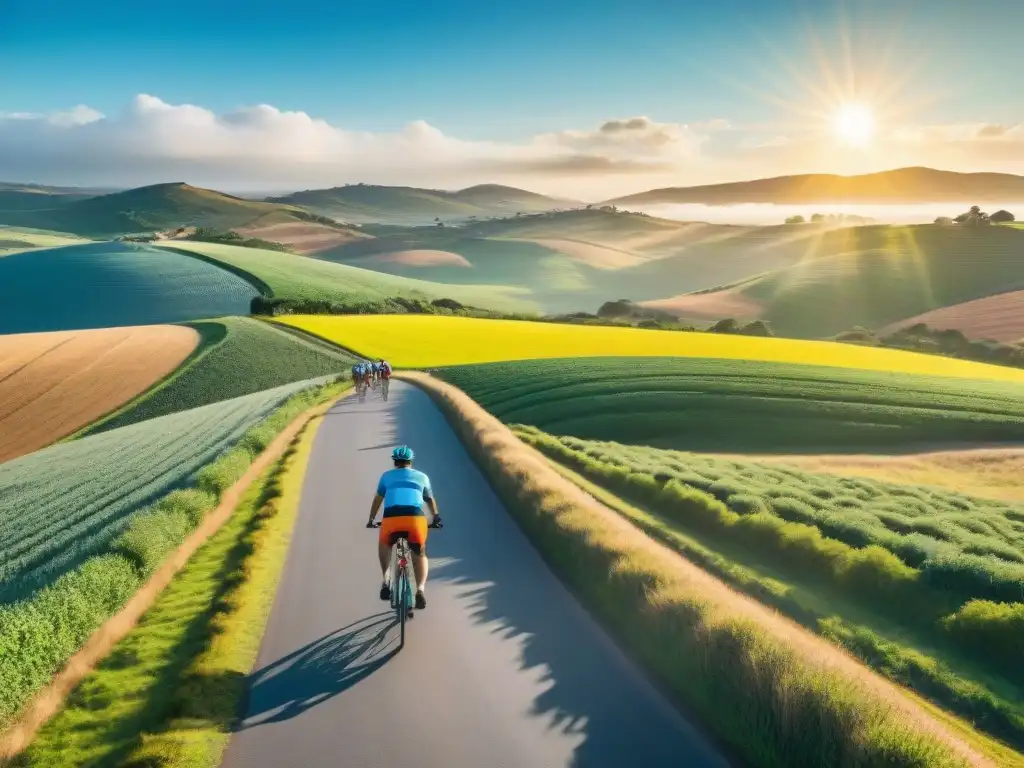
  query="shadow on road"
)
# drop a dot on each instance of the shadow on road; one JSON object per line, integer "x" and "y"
{"x": 320, "y": 670}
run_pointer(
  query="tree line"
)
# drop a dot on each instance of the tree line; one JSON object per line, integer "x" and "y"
{"x": 975, "y": 217}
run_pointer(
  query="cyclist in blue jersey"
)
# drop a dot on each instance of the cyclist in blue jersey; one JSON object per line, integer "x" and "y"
{"x": 403, "y": 491}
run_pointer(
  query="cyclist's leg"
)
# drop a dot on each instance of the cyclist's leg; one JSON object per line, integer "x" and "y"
{"x": 420, "y": 565}
{"x": 384, "y": 547}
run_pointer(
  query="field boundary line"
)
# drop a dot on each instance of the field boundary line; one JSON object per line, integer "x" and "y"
{"x": 682, "y": 610}
{"x": 45, "y": 704}
{"x": 261, "y": 287}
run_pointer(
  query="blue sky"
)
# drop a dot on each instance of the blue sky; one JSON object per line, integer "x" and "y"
{"x": 505, "y": 72}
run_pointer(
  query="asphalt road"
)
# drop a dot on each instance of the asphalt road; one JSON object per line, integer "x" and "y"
{"x": 503, "y": 668}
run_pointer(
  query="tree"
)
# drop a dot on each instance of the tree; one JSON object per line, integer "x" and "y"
{"x": 728, "y": 325}
{"x": 620, "y": 308}
{"x": 817, "y": 218}
{"x": 944, "y": 221}
{"x": 795, "y": 220}
{"x": 757, "y": 328}
{"x": 1001, "y": 217}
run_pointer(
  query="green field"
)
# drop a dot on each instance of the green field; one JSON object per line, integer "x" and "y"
{"x": 112, "y": 284}
{"x": 61, "y": 505}
{"x": 876, "y": 275}
{"x": 13, "y": 239}
{"x": 147, "y": 209}
{"x": 577, "y": 260}
{"x": 288, "y": 276}
{"x": 919, "y": 582}
{"x": 742, "y": 405}
{"x": 238, "y": 356}
{"x": 363, "y": 203}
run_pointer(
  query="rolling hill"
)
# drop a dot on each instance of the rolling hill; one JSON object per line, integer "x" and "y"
{"x": 32, "y": 197}
{"x": 169, "y": 206}
{"x": 366, "y": 203}
{"x": 576, "y": 260}
{"x": 102, "y": 285}
{"x": 875, "y": 276}
{"x": 903, "y": 185}
{"x": 284, "y": 275}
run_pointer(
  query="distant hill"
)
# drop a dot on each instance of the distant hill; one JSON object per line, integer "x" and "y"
{"x": 34, "y": 197}
{"x": 871, "y": 276}
{"x": 904, "y": 185}
{"x": 366, "y": 203}
{"x": 576, "y": 260}
{"x": 163, "y": 207}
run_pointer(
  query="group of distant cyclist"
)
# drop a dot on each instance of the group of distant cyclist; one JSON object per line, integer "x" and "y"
{"x": 368, "y": 374}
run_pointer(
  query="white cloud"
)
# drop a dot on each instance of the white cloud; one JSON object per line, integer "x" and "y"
{"x": 262, "y": 146}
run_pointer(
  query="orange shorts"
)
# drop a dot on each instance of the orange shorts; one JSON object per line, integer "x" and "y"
{"x": 412, "y": 527}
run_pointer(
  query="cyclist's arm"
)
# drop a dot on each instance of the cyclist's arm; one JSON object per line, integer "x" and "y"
{"x": 432, "y": 503}
{"x": 377, "y": 501}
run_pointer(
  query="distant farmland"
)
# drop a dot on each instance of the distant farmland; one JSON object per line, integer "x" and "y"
{"x": 53, "y": 383}
{"x": 102, "y": 285}
{"x": 400, "y": 338}
{"x": 742, "y": 405}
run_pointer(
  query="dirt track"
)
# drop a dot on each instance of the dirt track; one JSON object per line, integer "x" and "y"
{"x": 53, "y": 383}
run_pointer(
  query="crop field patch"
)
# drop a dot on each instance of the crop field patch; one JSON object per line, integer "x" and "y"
{"x": 963, "y": 542}
{"x": 103, "y": 285}
{"x": 60, "y": 505}
{"x": 244, "y": 356}
{"x": 53, "y": 383}
{"x": 741, "y": 406}
{"x": 289, "y": 276}
{"x": 434, "y": 341}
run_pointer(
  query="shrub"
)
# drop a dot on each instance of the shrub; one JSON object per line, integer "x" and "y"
{"x": 993, "y": 629}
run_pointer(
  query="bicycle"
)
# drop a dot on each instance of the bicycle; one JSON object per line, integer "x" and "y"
{"x": 385, "y": 385}
{"x": 401, "y": 582}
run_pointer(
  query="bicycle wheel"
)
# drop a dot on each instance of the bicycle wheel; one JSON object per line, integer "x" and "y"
{"x": 403, "y": 604}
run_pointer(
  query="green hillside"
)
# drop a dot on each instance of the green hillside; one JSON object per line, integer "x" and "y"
{"x": 902, "y": 185}
{"x": 238, "y": 356}
{"x": 873, "y": 276}
{"x": 285, "y": 275}
{"x": 155, "y": 208}
{"x": 365, "y": 203}
{"x": 100, "y": 285}
{"x": 576, "y": 260}
{"x": 34, "y": 197}
{"x": 742, "y": 405}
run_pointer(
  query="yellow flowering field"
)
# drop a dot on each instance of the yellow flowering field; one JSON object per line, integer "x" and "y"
{"x": 420, "y": 341}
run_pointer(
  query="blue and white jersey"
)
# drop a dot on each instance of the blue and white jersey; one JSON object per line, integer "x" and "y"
{"x": 404, "y": 487}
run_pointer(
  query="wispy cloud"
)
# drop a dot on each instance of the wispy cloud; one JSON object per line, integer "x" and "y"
{"x": 265, "y": 147}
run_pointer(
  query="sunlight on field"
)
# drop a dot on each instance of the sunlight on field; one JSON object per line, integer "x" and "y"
{"x": 429, "y": 340}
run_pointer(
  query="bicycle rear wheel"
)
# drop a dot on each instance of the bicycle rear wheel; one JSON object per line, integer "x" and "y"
{"x": 403, "y": 604}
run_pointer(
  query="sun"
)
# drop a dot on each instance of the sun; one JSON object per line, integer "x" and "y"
{"x": 854, "y": 124}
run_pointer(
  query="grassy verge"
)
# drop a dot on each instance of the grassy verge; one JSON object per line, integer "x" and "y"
{"x": 38, "y": 635}
{"x": 899, "y": 662}
{"x": 777, "y": 694}
{"x": 168, "y": 691}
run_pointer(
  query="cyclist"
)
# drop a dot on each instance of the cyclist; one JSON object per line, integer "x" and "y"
{"x": 357, "y": 375}
{"x": 403, "y": 491}
{"x": 385, "y": 375}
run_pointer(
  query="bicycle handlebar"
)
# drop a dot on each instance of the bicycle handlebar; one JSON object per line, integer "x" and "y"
{"x": 435, "y": 524}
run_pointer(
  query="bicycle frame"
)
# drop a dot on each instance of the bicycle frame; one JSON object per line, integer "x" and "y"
{"x": 401, "y": 588}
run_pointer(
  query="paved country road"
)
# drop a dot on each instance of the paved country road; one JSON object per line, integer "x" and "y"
{"x": 503, "y": 668}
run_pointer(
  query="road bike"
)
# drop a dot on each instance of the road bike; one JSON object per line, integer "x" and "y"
{"x": 385, "y": 385}
{"x": 402, "y": 580}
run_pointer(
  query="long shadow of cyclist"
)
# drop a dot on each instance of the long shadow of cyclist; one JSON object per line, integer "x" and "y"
{"x": 319, "y": 671}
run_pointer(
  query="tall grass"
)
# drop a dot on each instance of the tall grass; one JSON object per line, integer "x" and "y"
{"x": 778, "y": 695}
{"x": 39, "y": 634}
{"x": 837, "y": 531}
